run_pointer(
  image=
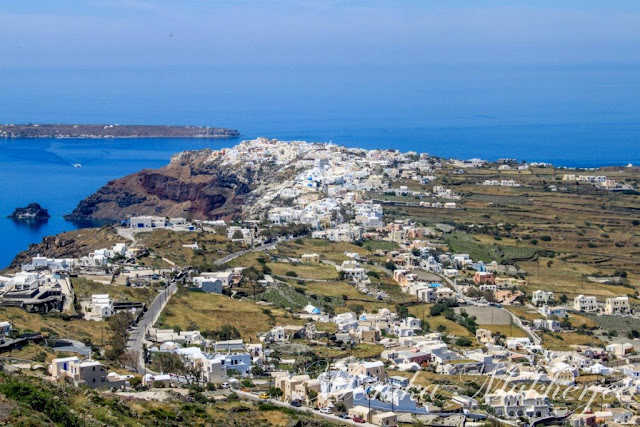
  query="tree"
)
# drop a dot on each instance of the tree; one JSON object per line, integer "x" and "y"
{"x": 389, "y": 265}
{"x": 237, "y": 235}
{"x": 119, "y": 325}
{"x": 563, "y": 298}
{"x": 168, "y": 362}
{"x": 463, "y": 342}
{"x": 356, "y": 308}
{"x": 402, "y": 311}
{"x": 275, "y": 392}
{"x": 130, "y": 358}
{"x": 192, "y": 372}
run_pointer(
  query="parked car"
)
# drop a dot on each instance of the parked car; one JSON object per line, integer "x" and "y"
{"x": 326, "y": 410}
{"x": 296, "y": 403}
{"x": 264, "y": 396}
{"x": 225, "y": 385}
{"x": 358, "y": 420}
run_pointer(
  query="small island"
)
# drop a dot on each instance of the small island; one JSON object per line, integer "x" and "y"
{"x": 32, "y": 130}
{"x": 32, "y": 212}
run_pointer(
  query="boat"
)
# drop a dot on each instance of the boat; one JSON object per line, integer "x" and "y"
{"x": 77, "y": 165}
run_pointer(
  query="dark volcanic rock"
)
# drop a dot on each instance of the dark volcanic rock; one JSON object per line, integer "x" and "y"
{"x": 32, "y": 212}
{"x": 191, "y": 185}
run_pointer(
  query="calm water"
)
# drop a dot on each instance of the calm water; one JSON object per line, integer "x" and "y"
{"x": 574, "y": 116}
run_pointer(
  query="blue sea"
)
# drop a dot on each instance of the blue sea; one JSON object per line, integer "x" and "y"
{"x": 579, "y": 115}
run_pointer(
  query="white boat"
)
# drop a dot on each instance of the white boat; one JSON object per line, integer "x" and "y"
{"x": 77, "y": 165}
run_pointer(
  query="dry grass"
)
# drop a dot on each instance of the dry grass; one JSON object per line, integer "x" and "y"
{"x": 306, "y": 271}
{"x": 506, "y": 330}
{"x": 333, "y": 251}
{"x": 421, "y": 311}
{"x": 565, "y": 341}
{"x": 53, "y": 324}
{"x": 524, "y": 313}
{"x": 85, "y": 288}
{"x": 169, "y": 244}
{"x": 212, "y": 311}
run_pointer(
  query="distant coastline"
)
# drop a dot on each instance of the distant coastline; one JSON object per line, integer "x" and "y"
{"x": 99, "y": 131}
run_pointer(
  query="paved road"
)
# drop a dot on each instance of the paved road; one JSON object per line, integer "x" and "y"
{"x": 128, "y": 234}
{"x": 69, "y": 296}
{"x": 333, "y": 418}
{"x": 148, "y": 319}
{"x": 229, "y": 257}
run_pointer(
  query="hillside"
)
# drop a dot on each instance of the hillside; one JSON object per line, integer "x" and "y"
{"x": 191, "y": 185}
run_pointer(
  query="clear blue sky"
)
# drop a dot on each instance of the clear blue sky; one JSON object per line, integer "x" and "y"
{"x": 134, "y": 33}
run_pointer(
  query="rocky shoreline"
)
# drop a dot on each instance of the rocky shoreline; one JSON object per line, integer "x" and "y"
{"x": 31, "y": 212}
{"x": 100, "y": 131}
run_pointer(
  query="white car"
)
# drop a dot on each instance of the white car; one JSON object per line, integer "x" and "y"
{"x": 326, "y": 411}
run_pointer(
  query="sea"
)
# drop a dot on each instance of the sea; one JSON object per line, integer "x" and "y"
{"x": 570, "y": 115}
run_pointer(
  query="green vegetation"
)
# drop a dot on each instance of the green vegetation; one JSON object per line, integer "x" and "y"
{"x": 461, "y": 242}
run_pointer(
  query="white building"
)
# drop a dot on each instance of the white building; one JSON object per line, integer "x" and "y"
{"x": 146, "y": 222}
{"x": 617, "y": 305}
{"x": 542, "y": 297}
{"x": 513, "y": 403}
{"x": 209, "y": 284}
{"x": 548, "y": 311}
{"x": 585, "y": 303}
{"x": 101, "y": 306}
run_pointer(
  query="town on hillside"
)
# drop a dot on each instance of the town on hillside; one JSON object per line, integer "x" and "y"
{"x": 368, "y": 287}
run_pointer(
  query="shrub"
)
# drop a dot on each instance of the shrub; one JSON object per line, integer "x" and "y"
{"x": 463, "y": 342}
{"x": 545, "y": 238}
{"x": 291, "y": 274}
{"x": 40, "y": 400}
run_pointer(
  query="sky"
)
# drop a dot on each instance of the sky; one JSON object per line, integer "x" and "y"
{"x": 290, "y": 33}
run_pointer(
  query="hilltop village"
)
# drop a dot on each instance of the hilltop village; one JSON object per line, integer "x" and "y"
{"x": 351, "y": 287}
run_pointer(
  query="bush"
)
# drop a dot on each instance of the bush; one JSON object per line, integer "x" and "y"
{"x": 463, "y": 342}
{"x": 40, "y": 400}
{"x": 158, "y": 384}
{"x": 533, "y": 241}
{"x": 545, "y": 238}
{"x": 291, "y": 274}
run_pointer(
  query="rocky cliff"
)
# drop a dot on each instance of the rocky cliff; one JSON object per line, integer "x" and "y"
{"x": 194, "y": 184}
{"x": 33, "y": 212}
{"x": 72, "y": 244}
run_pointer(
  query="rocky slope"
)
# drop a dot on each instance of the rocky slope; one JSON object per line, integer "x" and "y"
{"x": 32, "y": 212}
{"x": 72, "y": 244}
{"x": 194, "y": 184}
